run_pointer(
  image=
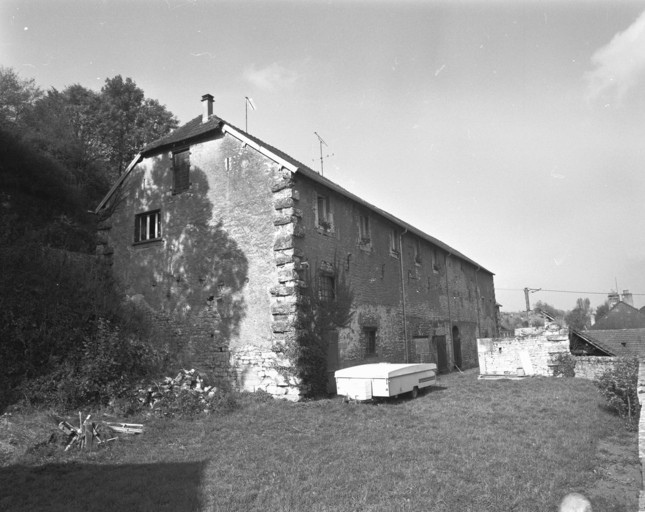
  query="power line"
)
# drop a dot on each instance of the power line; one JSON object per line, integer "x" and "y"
{"x": 559, "y": 291}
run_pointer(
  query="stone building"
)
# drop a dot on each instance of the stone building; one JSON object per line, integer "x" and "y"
{"x": 217, "y": 233}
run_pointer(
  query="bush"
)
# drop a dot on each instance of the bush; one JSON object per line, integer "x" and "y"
{"x": 565, "y": 365}
{"x": 67, "y": 336}
{"x": 106, "y": 366}
{"x": 619, "y": 388}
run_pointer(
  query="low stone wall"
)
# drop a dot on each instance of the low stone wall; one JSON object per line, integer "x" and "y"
{"x": 521, "y": 355}
{"x": 535, "y": 355}
{"x": 592, "y": 367}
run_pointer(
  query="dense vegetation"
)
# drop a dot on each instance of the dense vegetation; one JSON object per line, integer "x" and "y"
{"x": 67, "y": 336}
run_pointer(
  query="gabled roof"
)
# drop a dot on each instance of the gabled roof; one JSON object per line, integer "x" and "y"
{"x": 196, "y": 130}
{"x": 620, "y": 316}
{"x": 616, "y": 342}
{"x": 193, "y": 129}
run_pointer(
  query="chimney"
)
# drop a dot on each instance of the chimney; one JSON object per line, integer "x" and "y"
{"x": 207, "y": 110}
{"x": 628, "y": 298}
{"x": 613, "y": 299}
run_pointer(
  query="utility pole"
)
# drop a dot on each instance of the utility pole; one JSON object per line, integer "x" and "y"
{"x": 526, "y": 296}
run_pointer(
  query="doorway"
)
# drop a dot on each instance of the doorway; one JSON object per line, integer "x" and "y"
{"x": 456, "y": 346}
{"x": 442, "y": 355}
{"x": 333, "y": 359}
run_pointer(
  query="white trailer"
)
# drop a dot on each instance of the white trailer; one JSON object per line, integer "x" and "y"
{"x": 366, "y": 381}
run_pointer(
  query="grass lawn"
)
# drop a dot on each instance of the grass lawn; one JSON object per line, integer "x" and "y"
{"x": 468, "y": 445}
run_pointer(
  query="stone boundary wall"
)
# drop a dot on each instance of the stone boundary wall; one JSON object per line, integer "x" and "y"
{"x": 534, "y": 355}
{"x": 592, "y": 367}
{"x": 641, "y": 433}
{"x": 521, "y": 355}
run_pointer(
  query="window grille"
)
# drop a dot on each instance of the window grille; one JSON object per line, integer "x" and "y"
{"x": 147, "y": 226}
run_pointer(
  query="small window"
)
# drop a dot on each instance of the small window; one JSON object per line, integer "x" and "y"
{"x": 147, "y": 226}
{"x": 435, "y": 262}
{"x": 364, "y": 229}
{"x": 370, "y": 342}
{"x": 324, "y": 217}
{"x": 394, "y": 246}
{"x": 417, "y": 251}
{"x": 326, "y": 288}
{"x": 180, "y": 171}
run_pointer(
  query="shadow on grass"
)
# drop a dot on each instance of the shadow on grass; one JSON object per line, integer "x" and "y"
{"x": 72, "y": 487}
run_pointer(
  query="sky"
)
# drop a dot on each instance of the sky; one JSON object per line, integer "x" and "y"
{"x": 512, "y": 131}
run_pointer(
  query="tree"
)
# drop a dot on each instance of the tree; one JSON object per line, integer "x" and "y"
{"x": 549, "y": 309}
{"x": 65, "y": 124}
{"x": 602, "y": 310}
{"x": 579, "y": 318}
{"x": 129, "y": 121}
{"x": 17, "y": 96}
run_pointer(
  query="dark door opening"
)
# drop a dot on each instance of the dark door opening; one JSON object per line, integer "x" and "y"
{"x": 456, "y": 346}
{"x": 333, "y": 359}
{"x": 442, "y": 355}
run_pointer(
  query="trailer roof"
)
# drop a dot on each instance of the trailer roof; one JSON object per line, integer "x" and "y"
{"x": 383, "y": 370}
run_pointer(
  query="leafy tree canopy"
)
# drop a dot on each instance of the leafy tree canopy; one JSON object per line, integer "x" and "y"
{"x": 579, "y": 318}
{"x": 602, "y": 310}
{"x": 17, "y": 96}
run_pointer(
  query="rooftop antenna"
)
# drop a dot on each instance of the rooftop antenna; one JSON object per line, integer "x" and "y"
{"x": 321, "y": 141}
{"x": 248, "y": 103}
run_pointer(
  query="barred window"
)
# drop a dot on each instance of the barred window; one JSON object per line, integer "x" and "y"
{"x": 326, "y": 288}
{"x": 147, "y": 226}
{"x": 364, "y": 229}
{"x": 394, "y": 246}
{"x": 417, "y": 251}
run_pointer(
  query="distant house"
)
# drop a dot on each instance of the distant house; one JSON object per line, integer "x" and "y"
{"x": 615, "y": 342}
{"x": 219, "y": 234}
{"x": 621, "y": 316}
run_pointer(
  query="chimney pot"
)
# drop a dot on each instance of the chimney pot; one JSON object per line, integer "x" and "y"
{"x": 207, "y": 109}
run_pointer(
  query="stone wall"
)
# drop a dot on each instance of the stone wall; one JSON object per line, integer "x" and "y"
{"x": 592, "y": 367}
{"x": 221, "y": 276}
{"x": 442, "y": 291}
{"x": 520, "y": 356}
{"x": 535, "y": 355}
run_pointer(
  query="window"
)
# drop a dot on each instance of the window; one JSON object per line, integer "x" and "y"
{"x": 326, "y": 288}
{"x": 417, "y": 251}
{"x": 180, "y": 171}
{"x": 364, "y": 229}
{"x": 370, "y": 342}
{"x": 394, "y": 246}
{"x": 324, "y": 217}
{"x": 147, "y": 226}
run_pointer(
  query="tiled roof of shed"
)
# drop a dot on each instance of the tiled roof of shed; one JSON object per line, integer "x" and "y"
{"x": 617, "y": 342}
{"x": 195, "y": 129}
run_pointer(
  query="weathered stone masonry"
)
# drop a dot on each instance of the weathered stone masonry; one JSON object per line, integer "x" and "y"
{"x": 237, "y": 248}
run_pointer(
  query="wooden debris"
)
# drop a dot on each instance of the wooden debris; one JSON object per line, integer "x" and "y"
{"x": 185, "y": 380}
{"x": 83, "y": 436}
{"x": 126, "y": 428}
